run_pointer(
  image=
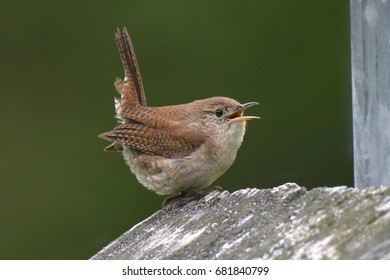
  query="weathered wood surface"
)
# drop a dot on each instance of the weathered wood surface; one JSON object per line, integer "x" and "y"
{"x": 286, "y": 222}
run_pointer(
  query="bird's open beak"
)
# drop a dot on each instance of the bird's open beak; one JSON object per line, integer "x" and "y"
{"x": 237, "y": 115}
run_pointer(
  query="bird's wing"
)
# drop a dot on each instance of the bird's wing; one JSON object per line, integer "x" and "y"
{"x": 178, "y": 141}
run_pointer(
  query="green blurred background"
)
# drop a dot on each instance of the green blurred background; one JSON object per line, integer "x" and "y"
{"x": 62, "y": 197}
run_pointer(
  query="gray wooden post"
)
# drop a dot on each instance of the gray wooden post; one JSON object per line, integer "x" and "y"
{"x": 370, "y": 42}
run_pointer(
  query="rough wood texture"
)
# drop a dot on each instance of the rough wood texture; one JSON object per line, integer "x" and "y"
{"x": 286, "y": 222}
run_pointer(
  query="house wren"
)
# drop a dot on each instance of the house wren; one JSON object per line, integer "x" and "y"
{"x": 173, "y": 149}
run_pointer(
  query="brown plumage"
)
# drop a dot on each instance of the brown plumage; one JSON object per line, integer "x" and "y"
{"x": 132, "y": 90}
{"x": 144, "y": 129}
{"x": 147, "y": 131}
{"x": 175, "y": 148}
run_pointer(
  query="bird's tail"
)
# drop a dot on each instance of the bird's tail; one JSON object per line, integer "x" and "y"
{"x": 131, "y": 88}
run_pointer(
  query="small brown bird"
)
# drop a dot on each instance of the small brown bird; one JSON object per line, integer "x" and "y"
{"x": 173, "y": 149}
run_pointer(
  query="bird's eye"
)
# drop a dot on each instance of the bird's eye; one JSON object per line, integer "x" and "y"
{"x": 218, "y": 113}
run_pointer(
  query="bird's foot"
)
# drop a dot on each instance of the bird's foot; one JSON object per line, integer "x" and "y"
{"x": 181, "y": 199}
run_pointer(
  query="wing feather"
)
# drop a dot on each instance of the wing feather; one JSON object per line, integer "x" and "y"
{"x": 177, "y": 142}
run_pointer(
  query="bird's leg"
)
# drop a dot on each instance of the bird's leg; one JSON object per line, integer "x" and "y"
{"x": 183, "y": 198}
